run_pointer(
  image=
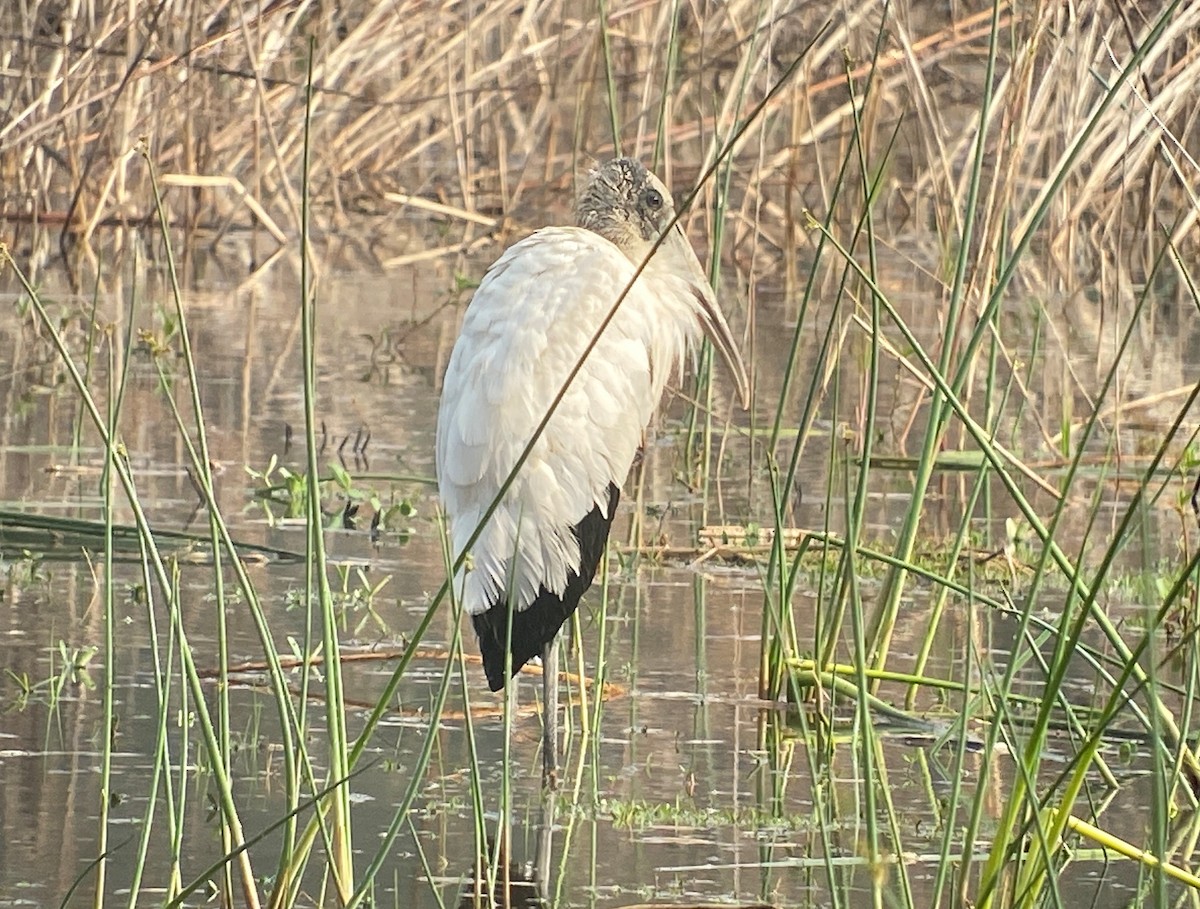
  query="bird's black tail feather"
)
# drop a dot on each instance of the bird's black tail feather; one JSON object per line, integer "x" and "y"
{"x": 536, "y": 626}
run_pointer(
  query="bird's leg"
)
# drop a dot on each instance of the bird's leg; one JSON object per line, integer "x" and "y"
{"x": 545, "y": 849}
{"x": 550, "y": 714}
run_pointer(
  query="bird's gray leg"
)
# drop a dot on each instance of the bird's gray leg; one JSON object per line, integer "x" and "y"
{"x": 550, "y": 714}
{"x": 545, "y": 849}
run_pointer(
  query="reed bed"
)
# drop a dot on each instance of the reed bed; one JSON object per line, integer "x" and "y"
{"x": 462, "y": 105}
{"x": 943, "y": 203}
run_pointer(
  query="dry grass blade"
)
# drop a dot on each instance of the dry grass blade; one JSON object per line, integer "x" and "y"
{"x": 230, "y": 183}
{"x": 439, "y": 208}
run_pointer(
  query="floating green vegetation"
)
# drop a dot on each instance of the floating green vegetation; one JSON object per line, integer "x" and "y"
{"x": 638, "y": 814}
{"x": 282, "y": 495}
{"x": 73, "y": 673}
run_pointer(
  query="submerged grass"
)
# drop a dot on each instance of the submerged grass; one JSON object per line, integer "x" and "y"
{"x": 1029, "y": 195}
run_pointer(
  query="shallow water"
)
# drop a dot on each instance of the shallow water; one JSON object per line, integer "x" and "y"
{"x": 690, "y": 790}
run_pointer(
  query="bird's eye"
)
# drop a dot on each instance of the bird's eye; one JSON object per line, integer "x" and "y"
{"x": 653, "y": 199}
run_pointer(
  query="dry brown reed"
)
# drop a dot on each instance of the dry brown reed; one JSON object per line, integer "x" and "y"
{"x": 472, "y": 105}
{"x": 475, "y": 102}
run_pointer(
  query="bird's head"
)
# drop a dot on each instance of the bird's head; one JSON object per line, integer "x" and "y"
{"x": 626, "y": 204}
{"x": 629, "y": 206}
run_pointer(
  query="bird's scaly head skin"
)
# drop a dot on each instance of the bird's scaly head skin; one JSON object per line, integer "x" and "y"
{"x": 627, "y": 205}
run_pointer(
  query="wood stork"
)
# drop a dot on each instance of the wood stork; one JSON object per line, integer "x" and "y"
{"x": 533, "y": 315}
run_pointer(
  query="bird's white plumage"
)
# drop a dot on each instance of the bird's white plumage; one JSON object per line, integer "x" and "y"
{"x": 530, "y": 320}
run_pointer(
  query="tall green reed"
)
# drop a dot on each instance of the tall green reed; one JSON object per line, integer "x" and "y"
{"x": 316, "y": 586}
{"x": 947, "y": 377}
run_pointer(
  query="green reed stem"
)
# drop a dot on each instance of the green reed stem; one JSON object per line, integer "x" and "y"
{"x": 161, "y": 768}
{"x": 865, "y": 752}
{"x": 950, "y": 809}
{"x": 589, "y": 740}
{"x": 979, "y": 805}
{"x": 203, "y": 465}
{"x": 831, "y": 584}
{"x": 705, "y": 372}
{"x": 610, "y": 79}
{"x": 475, "y": 776}
{"x": 278, "y": 824}
{"x": 93, "y": 331}
{"x": 865, "y": 228}
{"x": 1119, "y": 699}
{"x": 341, "y": 857}
{"x": 883, "y": 623}
{"x": 107, "y": 692}
{"x": 870, "y": 189}
{"x": 667, "y": 92}
{"x": 979, "y": 489}
{"x": 181, "y": 787}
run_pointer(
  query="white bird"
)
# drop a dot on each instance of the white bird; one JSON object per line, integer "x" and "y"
{"x": 530, "y": 320}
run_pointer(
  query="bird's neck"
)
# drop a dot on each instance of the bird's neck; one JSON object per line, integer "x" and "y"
{"x": 673, "y": 327}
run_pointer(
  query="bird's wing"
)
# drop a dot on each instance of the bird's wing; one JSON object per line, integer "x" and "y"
{"x": 527, "y": 325}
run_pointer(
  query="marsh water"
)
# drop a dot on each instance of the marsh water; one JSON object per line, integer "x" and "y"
{"x": 1036, "y": 156}
{"x": 682, "y": 794}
